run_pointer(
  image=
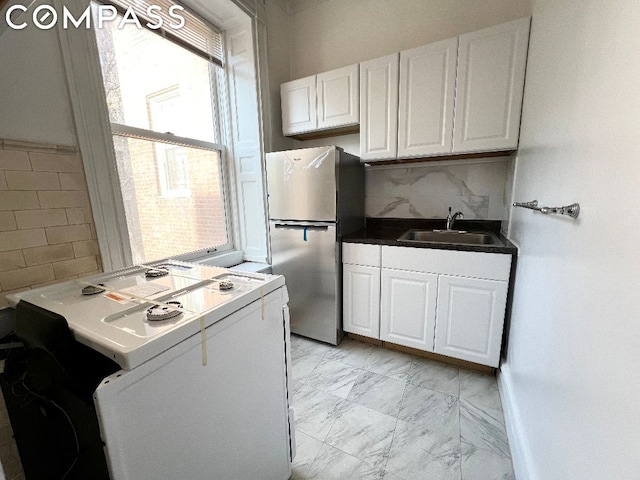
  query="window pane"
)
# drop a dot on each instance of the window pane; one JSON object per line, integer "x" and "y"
{"x": 173, "y": 198}
{"x": 154, "y": 84}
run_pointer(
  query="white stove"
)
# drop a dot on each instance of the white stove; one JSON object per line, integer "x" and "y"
{"x": 108, "y": 312}
{"x": 204, "y": 352}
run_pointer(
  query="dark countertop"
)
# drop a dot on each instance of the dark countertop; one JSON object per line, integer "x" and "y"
{"x": 385, "y": 231}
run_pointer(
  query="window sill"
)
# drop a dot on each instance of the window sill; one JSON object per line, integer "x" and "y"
{"x": 225, "y": 259}
{"x": 252, "y": 267}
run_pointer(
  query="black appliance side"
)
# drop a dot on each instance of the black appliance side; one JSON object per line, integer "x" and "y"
{"x": 48, "y": 388}
{"x": 350, "y": 200}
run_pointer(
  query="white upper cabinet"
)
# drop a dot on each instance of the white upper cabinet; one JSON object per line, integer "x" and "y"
{"x": 299, "y": 105}
{"x": 321, "y": 102}
{"x": 490, "y": 83}
{"x": 338, "y": 98}
{"x": 427, "y": 92}
{"x": 457, "y": 96}
{"x": 379, "y": 108}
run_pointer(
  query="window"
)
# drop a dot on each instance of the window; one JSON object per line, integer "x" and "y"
{"x": 163, "y": 108}
{"x": 173, "y": 171}
{"x": 173, "y": 167}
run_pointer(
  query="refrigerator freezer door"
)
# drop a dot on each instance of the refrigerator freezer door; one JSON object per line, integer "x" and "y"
{"x": 305, "y": 254}
{"x": 302, "y": 184}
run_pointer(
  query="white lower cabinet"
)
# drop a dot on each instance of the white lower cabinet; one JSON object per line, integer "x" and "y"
{"x": 470, "y": 317}
{"x": 361, "y": 300}
{"x": 443, "y": 301}
{"x": 408, "y": 308}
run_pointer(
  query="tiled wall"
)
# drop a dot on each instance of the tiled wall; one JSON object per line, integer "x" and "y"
{"x": 479, "y": 190}
{"x": 46, "y": 228}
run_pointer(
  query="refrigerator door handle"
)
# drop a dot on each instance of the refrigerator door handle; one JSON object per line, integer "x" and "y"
{"x": 304, "y": 226}
{"x": 317, "y": 226}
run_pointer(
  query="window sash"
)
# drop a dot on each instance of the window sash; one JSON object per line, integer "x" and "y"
{"x": 168, "y": 138}
{"x": 197, "y": 35}
{"x": 228, "y": 246}
{"x": 143, "y": 134}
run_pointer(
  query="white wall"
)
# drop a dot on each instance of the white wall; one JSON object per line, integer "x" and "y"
{"x": 34, "y": 105}
{"x": 279, "y": 66}
{"x": 571, "y": 381}
{"x": 335, "y": 33}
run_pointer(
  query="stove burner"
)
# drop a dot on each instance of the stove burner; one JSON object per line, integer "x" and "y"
{"x": 163, "y": 312}
{"x": 156, "y": 272}
{"x": 225, "y": 284}
{"x": 93, "y": 290}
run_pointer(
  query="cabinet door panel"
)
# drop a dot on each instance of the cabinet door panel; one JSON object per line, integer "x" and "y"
{"x": 408, "y": 308}
{"x": 470, "y": 317}
{"x": 490, "y": 83}
{"x": 298, "y": 105}
{"x": 361, "y": 300}
{"x": 379, "y": 108}
{"x": 427, "y": 90}
{"x": 338, "y": 97}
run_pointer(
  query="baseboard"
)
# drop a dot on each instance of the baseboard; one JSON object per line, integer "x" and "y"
{"x": 522, "y": 465}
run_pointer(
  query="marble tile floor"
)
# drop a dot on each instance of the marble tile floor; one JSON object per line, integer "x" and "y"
{"x": 366, "y": 412}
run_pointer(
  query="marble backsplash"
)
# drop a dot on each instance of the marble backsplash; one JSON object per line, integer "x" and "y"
{"x": 479, "y": 190}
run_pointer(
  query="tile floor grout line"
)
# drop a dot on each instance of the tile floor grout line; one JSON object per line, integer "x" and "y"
{"x": 395, "y": 428}
{"x": 393, "y": 436}
{"x": 315, "y": 457}
{"x": 485, "y": 450}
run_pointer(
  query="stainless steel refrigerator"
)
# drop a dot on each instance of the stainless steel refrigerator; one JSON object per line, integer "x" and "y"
{"x": 316, "y": 196}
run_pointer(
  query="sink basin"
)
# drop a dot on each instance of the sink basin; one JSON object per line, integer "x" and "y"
{"x": 451, "y": 236}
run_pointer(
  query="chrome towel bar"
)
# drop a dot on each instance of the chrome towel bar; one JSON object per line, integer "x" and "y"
{"x": 572, "y": 210}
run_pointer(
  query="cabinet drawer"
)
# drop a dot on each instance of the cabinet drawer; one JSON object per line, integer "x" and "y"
{"x": 361, "y": 254}
{"x": 492, "y": 266}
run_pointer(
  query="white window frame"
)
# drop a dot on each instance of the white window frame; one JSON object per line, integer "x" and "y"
{"x": 95, "y": 138}
{"x": 217, "y": 80}
{"x": 246, "y": 187}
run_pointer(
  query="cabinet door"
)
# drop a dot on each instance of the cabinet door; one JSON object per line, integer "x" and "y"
{"x": 361, "y": 300}
{"x": 470, "y": 318}
{"x": 379, "y": 108}
{"x": 427, "y": 92}
{"x": 298, "y": 105}
{"x": 338, "y": 93}
{"x": 490, "y": 82}
{"x": 408, "y": 308}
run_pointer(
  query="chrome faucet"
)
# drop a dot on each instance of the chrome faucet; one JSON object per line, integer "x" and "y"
{"x": 452, "y": 218}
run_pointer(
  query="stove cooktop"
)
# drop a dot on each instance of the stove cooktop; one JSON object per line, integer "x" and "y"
{"x": 114, "y": 318}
